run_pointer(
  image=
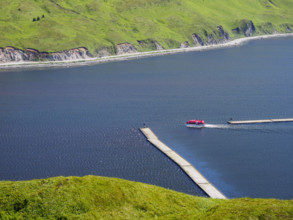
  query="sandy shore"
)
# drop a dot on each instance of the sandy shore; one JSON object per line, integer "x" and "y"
{"x": 90, "y": 61}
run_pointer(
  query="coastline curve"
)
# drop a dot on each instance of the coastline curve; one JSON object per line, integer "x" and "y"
{"x": 137, "y": 55}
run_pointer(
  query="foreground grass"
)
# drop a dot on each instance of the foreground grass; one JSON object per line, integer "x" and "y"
{"x": 93, "y": 197}
{"x": 67, "y": 24}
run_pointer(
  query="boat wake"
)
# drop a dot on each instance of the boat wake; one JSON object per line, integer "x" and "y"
{"x": 220, "y": 126}
{"x": 234, "y": 127}
{"x": 264, "y": 128}
{"x": 252, "y": 128}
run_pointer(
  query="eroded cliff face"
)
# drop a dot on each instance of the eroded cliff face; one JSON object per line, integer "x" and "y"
{"x": 200, "y": 38}
{"x": 219, "y": 36}
{"x": 73, "y": 54}
{"x": 288, "y": 27}
{"x": 105, "y": 51}
{"x": 197, "y": 40}
{"x": 125, "y": 48}
{"x": 224, "y": 36}
{"x": 158, "y": 46}
{"x": 11, "y": 54}
{"x": 150, "y": 44}
{"x": 245, "y": 27}
{"x": 184, "y": 45}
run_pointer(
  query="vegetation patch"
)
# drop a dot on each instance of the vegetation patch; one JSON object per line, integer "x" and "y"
{"x": 93, "y": 197}
{"x": 57, "y": 25}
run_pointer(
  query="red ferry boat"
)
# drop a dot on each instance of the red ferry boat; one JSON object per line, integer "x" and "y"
{"x": 195, "y": 124}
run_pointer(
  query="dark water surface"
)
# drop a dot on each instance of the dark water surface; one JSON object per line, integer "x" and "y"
{"x": 80, "y": 121}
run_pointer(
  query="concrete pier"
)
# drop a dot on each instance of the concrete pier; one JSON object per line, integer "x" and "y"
{"x": 261, "y": 121}
{"x": 196, "y": 176}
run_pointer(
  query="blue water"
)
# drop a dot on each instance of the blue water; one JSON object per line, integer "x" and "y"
{"x": 84, "y": 120}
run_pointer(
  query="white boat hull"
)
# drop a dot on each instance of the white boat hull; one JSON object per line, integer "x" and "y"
{"x": 195, "y": 125}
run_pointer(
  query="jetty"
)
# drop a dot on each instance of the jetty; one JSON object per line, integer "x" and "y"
{"x": 193, "y": 173}
{"x": 261, "y": 121}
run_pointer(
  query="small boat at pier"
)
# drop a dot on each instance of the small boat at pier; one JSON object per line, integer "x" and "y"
{"x": 195, "y": 124}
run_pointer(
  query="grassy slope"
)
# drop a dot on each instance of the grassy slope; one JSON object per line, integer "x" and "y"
{"x": 97, "y": 23}
{"x": 98, "y": 197}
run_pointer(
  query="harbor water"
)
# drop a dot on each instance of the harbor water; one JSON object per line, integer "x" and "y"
{"x": 84, "y": 120}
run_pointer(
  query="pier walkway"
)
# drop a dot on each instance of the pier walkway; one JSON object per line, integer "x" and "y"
{"x": 261, "y": 121}
{"x": 195, "y": 175}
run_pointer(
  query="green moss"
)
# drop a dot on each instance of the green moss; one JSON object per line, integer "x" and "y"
{"x": 96, "y": 24}
{"x": 93, "y": 197}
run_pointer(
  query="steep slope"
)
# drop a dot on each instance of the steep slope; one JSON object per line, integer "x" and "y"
{"x": 101, "y": 25}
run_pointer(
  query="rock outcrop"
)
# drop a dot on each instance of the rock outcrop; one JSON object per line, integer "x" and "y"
{"x": 11, "y": 54}
{"x": 105, "y": 51}
{"x": 197, "y": 40}
{"x": 246, "y": 27}
{"x": 73, "y": 54}
{"x": 158, "y": 46}
{"x": 288, "y": 28}
{"x": 224, "y": 36}
{"x": 216, "y": 37}
{"x": 184, "y": 45}
{"x": 150, "y": 44}
{"x": 125, "y": 48}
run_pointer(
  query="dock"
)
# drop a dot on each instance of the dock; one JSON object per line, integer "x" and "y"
{"x": 261, "y": 121}
{"x": 193, "y": 173}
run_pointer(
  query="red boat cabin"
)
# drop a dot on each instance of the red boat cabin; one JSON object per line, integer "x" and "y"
{"x": 196, "y": 122}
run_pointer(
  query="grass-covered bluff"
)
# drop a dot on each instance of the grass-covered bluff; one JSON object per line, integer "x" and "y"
{"x": 93, "y": 197}
{"x": 57, "y": 25}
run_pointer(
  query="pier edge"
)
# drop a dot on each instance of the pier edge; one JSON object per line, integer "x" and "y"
{"x": 190, "y": 171}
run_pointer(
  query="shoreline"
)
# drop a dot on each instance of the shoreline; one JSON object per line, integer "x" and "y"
{"x": 98, "y": 60}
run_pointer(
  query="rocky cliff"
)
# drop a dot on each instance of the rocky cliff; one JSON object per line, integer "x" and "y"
{"x": 219, "y": 36}
{"x": 150, "y": 44}
{"x": 245, "y": 27}
{"x": 197, "y": 40}
{"x": 105, "y": 51}
{"x": 125, "y": 48}
{"x": 11, "y": 54}
{"x": 73, "y": 54}
{"x": 184, "y": 45}
{"x": 201, "y": 38}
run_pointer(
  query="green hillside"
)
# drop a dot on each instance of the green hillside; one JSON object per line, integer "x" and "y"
{"x": 95, "y": 24}
{"x": 93, "y": 197}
